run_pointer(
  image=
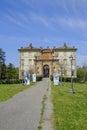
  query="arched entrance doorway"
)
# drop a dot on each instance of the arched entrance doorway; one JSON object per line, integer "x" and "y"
{"x": 46, "y": 71}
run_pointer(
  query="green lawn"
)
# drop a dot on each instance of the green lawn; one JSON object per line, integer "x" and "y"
{"x": 9, "y": 90}
{"x": 70, "y": 110}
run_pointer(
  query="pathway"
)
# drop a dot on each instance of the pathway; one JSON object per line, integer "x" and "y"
{"x": 23, "y": 111}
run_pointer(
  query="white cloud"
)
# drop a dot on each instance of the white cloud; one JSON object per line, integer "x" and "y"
{"x": 72, "y": 22}
{"x": 22, "y": 20}
{"x": 13, "y": 20}
{"x": 69, "y": 18}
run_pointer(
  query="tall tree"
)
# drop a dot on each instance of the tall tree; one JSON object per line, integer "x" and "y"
{"x": 2, "y": 64}
{"x": 11, "y": 72}
{"x": 82, "y": 73}
{"x": 85, "y": 71}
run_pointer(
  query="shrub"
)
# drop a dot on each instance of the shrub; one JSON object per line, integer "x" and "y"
{"x": 68, "y": 79}
{"x": 39, "y": 78}
{"x": 10, "y": 81}
{"x": 51, "y": 77}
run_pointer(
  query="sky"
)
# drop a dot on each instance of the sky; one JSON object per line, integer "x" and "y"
{"x": 43, "y": 23}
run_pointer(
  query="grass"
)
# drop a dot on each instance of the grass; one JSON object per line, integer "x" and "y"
{"x": 9, "y": 90}
{"x": 70, "y": 110}
{"x": 42, "y": 112}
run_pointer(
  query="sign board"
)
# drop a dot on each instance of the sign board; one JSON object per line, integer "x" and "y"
{"x": 56, "y": 78}
{"x": 27, "y": 79}
{"x": 34, "y": 77}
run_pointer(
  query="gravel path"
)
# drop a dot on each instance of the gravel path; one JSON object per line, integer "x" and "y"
{"x": 23, "y": 111}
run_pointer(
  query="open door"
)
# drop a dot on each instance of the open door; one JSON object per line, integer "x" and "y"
{"x": 46, "y": 71}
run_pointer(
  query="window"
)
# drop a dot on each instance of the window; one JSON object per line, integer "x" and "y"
{"x": 22, "y": 62}
{"x": 72, "y": 72}
{"x": 22, "y": 72}
{"x": 30, "y": 61}
{"x": 65, "y": 61}
{"x": 22, "y": 53}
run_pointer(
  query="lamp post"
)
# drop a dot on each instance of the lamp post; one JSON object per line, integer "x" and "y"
{"x": 72, "y": 90}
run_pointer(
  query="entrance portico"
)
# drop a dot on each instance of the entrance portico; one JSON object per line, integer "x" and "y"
{"x": 46, "y": 71}
{"x": 45, "y": 68}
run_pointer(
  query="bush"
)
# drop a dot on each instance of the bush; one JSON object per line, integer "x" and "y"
{"x": 68, "y": 79}
{"x": 39, "y": 78}
{"x": 10, "y": 81}
{"x": 51, "y": 77}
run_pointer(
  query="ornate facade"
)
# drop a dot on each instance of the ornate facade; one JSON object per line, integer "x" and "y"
{"x": 45, "y": 62}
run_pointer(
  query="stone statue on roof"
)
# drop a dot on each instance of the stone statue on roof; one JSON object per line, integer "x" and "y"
{"x": 65, "y": 46}
{"x": 30, "y": 45}
{"x": 47, "y": 47}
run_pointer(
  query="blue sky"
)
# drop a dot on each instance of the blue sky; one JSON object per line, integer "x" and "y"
{"x": 43, "y": 23}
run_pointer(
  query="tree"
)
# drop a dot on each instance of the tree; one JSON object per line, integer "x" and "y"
{"x": 2, "y": 64}
{"x": 2, "y": 56}
{"x": 82, "y": 73}
{"x": 11, "y": 72}
{"x": 85, "y": 71}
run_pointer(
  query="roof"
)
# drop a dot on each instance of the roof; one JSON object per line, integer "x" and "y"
{"x": 65, "y": 47}
{"x": 29, "y": 48}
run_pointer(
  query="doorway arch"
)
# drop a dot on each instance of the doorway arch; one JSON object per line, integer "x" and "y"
{"x": 46, "y": 71}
